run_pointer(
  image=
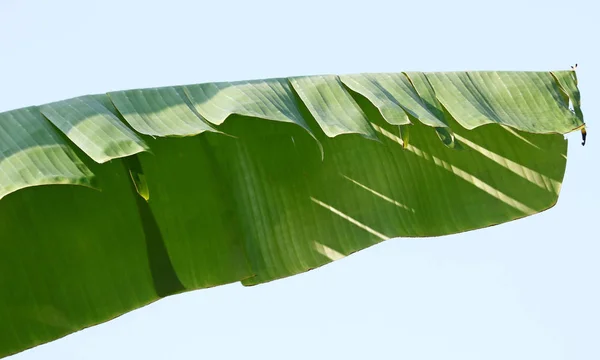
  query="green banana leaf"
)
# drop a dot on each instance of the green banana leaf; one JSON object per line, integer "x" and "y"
{"x": 189, "y": 187}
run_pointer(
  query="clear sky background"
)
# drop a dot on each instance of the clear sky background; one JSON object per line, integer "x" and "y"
{"x": 524, "y": 290}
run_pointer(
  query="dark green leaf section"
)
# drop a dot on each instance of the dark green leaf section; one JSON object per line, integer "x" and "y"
{"x": 71, "y": 257}
{"x": 165, "y": 279}
{"x": 303, "y": 213}
{"x": 182, "y": 206}
{"x": 192, "y": 206}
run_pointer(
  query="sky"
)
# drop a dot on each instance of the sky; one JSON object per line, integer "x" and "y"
{"x": 523, "y": 290}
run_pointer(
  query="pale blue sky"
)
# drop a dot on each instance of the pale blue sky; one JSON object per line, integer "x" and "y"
{"x": 524, "y": 290}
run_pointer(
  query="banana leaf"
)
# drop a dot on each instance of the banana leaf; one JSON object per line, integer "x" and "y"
{"x": 109, "y": 202}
